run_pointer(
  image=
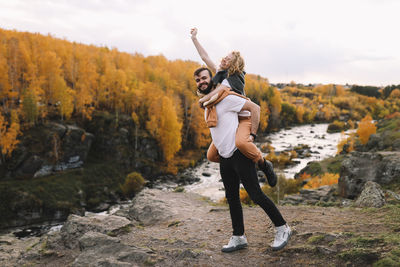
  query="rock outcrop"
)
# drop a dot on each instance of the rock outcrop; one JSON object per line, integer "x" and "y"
{"x": 77, "y": 226}
{"x": 371, "y": 196}
{"x": 359, "y": 167}
{"x": 49, "y": 148}
{"x": 322, "y": 194}
{"x": 56, "y": 146}
{"x": 148, "y": 208}
{"x": 98, "y": 249}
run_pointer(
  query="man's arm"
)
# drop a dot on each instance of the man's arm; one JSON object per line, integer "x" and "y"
{"x": 212, "y": 93}
{"x": 202, "y": 52}
{"x": 255, "y": 115}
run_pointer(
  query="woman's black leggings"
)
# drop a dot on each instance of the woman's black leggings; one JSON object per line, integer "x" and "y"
{"x": 238, "y": 169}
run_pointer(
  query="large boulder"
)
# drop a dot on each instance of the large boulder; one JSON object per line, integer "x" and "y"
{"x": 359, "y": 167}
{"x": 77, "y": 226}
{"x": 148, "y": 208}
{"x": 98, "y": 249}
{"x": 371, "y": 196}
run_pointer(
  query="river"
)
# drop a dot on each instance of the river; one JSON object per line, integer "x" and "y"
{"x": 321, "y": 143}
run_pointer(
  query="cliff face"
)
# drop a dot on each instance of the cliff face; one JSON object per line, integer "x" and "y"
{"x": 58, "y": 146}
{"x": 68, "y": 167}
{"x": 377, "y": 161}
{"x": 382, "y": 167}
{"x": 46, "y": 149}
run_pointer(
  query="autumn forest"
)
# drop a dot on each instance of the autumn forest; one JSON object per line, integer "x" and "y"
{"x": 42, "y": 78}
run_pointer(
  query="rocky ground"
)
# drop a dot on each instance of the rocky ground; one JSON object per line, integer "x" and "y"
{"x": 182, "y": 229}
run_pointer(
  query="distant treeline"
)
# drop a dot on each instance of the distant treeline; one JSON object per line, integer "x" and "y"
{"x": 374, "y": 91}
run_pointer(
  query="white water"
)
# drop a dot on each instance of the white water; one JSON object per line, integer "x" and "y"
{"x": 321, "y": 143}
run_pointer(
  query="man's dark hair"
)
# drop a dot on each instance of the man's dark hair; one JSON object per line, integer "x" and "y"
{"x": 197, "y": 72}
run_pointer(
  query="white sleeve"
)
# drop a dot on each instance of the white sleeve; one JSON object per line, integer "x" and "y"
{"x": 234, "y": 103}
{"x": 226, "y": 83}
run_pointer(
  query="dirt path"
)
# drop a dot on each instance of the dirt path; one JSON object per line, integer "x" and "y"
{"x": 323, "y": 236}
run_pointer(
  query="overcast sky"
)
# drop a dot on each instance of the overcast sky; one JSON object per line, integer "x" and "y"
{"x": 307, "y": 41}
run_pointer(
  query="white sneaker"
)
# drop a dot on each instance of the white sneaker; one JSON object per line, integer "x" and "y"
{"x": 282, "y": 237}
{"x": 235, "y": 243}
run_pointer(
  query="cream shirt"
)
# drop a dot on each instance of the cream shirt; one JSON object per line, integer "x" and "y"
{"x": 223, "y": 135}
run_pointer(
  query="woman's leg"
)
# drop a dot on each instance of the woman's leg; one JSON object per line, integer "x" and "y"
{"x": 243, "y": 142}
{"x": 248, "y": 175}
{"x": 231, "y": 183}
{"x": 212, "y": 153}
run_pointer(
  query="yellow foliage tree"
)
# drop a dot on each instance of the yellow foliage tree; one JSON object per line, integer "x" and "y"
{"x": 198, "y": 127}
{"x": 64, "y": 98}
{"x": 8, "y": 135}
{"x": 276, "y": 101}
{"x": 29, "y": 105}
{"x": 365, "y": 128}
{"x": 264, "y": 115}
{"x": 395, "y": 93}
{"x": 4, "y": 83}
{"x": 50, "y": 71}
{"x": 299, "y": 113}
{"x": 164, "y": 126}
{"x": 86, "y": 85}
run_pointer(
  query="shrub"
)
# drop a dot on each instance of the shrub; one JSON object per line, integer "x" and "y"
{"x": 336, "y": 126}
{"x": 346, "y": 145}
{"x": 325, "y": 179}
{"x": 283, "y": 159}
{"x": 244, "y": 197}
{"x": 283, "y": 188}
{"x": 365, "y": 128}
{"x": 393, "y": 115}
{"x": 134, "y": 182}
{"x": 390, "y": 259}
{"x": 314, "y": 168}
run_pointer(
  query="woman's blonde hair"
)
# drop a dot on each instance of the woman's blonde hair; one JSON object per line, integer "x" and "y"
{"x": 237, "y": 63}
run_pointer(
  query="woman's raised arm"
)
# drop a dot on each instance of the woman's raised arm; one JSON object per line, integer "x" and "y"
{"x": 202, "y": 52}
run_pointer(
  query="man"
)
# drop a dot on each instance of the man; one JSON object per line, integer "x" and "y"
{"x": 236, "y": 168}
{"x": 230, "y": 76}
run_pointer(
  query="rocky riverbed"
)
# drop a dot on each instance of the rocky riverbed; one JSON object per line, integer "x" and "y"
{"x": 319, "y": 143}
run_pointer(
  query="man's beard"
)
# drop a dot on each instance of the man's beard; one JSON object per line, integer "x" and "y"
{"x": 208, "y": 89}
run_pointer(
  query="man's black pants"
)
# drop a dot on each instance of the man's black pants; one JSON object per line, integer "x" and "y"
{"x": 238, "y": 169}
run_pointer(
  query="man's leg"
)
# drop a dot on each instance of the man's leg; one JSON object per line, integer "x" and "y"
{"x": 250, "y": 150}
{"x": 248, "y": 175}
{"x": 212, "y": 153}
{"x": 231, "y": 183}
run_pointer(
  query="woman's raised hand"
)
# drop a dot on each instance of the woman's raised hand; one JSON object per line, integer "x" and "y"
{"x": 193, "y": 32}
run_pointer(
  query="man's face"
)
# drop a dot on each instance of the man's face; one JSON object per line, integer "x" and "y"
{"x": 203, "y": 81}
